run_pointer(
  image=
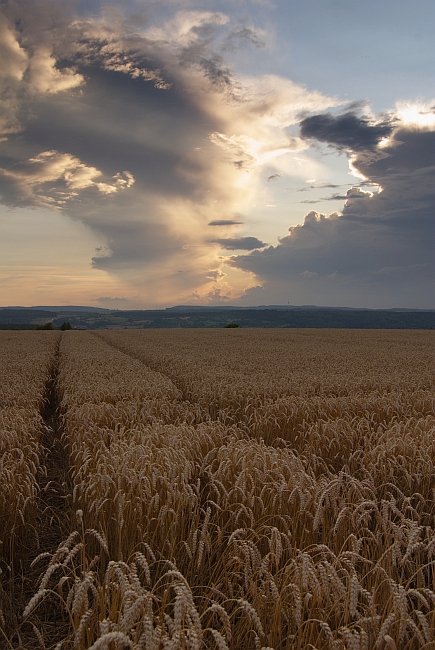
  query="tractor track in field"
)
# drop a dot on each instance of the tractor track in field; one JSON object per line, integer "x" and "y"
{"x": 155, "y": 367}
{"x": 55, "y": 486}
{"x": 52, "y": 525}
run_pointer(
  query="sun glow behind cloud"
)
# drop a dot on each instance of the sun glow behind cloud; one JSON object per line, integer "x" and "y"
{"x": 419, "y": 114}
{"x": 148, "y": 136}
{"x": 154, "y": 229}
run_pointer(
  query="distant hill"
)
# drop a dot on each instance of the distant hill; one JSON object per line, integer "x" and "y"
{"x": 189, "y": 308}
{"x": 212, "y": 317}
{"x": 63, "y": 309}
{"x": 25, "y": 316}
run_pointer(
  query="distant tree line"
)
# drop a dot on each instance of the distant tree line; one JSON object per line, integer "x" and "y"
{"x": 49, "y": 326}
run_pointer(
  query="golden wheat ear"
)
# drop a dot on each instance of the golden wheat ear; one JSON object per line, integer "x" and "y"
{"x": 190, "y": 490}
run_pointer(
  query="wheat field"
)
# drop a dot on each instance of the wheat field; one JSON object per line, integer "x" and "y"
{"x": 231, "y": 489}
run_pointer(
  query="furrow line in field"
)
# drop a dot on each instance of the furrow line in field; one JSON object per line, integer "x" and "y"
{"x": 55, "y": 485}
{"x": 32, "y": 478}
{"x": 194, "y": 411}
{"x": 53, "y": 515}
{"x": 295, "y": 393}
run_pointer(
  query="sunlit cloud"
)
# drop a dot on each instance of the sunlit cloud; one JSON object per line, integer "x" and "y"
{"x": 148, "y": 135}
{"x": 44, "y": 77}
{"x": 417, "y": 114}
{"x": 51, "y": 179}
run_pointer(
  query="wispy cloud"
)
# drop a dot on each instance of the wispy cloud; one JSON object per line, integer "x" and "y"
{"x": 239, "y": 243}
{"x": 225, "y": 222}
{"x": 274, "y": 177}
{"x": 352, "y": 193}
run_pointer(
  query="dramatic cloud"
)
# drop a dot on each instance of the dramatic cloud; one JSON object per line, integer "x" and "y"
{"x": 139, "y": 131}
{"x": 14, "y": 61}
{"x": 145, "y": 134}
{"x": 347, "y": 131}
{"x": 378, "y": 252}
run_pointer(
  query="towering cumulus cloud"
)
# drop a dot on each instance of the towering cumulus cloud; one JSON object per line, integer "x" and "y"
{"x": 140, "y": 128}
{"x": 379, "y": 250}
{"x": 142, "y": 131}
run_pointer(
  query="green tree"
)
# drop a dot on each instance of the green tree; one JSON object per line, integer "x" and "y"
{"x": 66, "y": 326}
{"x": 46, "y": 326}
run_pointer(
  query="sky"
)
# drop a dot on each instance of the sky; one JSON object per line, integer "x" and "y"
{"x": 254, "y": 152}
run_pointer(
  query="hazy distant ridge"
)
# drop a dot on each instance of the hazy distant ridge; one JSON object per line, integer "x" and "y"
{"x": 282, "y": 316}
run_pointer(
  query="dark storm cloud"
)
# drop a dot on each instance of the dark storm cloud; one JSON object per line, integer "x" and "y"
{"x": 131, "y": 125}
{"x": 128, "y": 130}
{"x": 239, "y": 243}
{"x": 347, "y": 131}
{"x": 378, "y": 252}
{"x": 107, "y": 128}
{"x": 128, "y": 114}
